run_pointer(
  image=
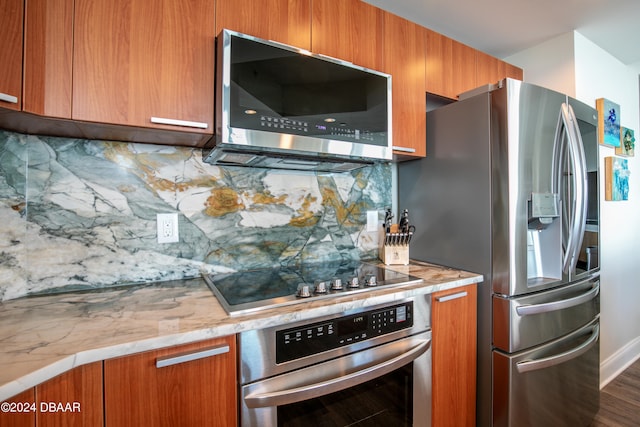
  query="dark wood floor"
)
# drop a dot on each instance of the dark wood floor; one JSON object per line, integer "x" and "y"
{"x": 620, "y": 400}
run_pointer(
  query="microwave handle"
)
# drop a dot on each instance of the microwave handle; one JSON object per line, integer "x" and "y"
{"x": 337, "y": 382}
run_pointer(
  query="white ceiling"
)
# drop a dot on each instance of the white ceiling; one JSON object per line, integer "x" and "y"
{"x": 504, "y": 27}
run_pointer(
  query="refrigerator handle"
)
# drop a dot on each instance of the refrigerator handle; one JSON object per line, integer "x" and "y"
{"x": 547, "y": 362}
{"x": 528, "y": 310}
{"x": 579, "y": 199}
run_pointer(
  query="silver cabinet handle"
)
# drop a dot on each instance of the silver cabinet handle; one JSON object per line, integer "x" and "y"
{"x": 8, "y": 98}
{"x": 446, "y": 298}
{"x": 404, "y": 149}
{"x": 547, "y": 362}
{"x": 526, "y": 310}
{"x": 174, "y": 122}
{"x": 163, "y": 362}
{"x": 339, "y": 382}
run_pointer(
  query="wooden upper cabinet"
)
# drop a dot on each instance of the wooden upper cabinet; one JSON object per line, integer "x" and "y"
{"x": 80, "y": 393}
{"x": 463, "y": 68}
{"x": 490, "y": 69}
{"x": 351, "y": 30}
{"x": 404, "y": 59}
{"x": 453, "y": 68}
{"x": 513, "y": 71}
{"x": 453, "y": 347}
{"x": 134, "y": 60}
{"x": 285, "y": 21}
{"x": 11, "y": 12}
{"x": 198, "y": 391}
{"x": 48, "y": 44}
{"x": 450, "y": 66}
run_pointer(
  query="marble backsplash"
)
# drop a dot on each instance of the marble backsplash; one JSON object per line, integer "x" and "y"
{"x": 78, "y": 214}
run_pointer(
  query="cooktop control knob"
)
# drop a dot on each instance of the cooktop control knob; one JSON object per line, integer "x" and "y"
{"x": 370, "y": 280}
{"x": 303, "y": 291}
{"x": 320, "y": 287}
{"x": 336, "y": 284}
{"x": 353, "y": 282}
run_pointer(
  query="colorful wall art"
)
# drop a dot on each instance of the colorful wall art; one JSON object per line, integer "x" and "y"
{"x": 608, "y": 122}
{"x": 616, "y": 179}
{"x": 627, "y": 142}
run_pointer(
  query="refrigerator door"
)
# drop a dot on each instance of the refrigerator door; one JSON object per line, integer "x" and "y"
{"x": 588, "y": 260}
{"x": 523, "y": 322}
{"x": 540, "y": 183}
{"x": 556, "y": 384}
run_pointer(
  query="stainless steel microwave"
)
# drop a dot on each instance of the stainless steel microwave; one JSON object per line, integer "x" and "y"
{"x": 278, "y": 106}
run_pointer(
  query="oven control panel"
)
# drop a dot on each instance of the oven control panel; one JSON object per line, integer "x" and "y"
{"x": 313, "y": 338}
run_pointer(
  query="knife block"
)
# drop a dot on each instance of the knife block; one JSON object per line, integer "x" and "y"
{"x": 391, "y": 254}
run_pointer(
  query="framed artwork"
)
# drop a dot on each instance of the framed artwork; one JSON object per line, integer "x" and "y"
{"x": 616, "y": 179}
{"x": 608, "y": 122}
{"x": 627, "y": 142}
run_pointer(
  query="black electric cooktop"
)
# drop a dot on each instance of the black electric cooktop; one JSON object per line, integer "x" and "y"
{"x": 253, "y": 290}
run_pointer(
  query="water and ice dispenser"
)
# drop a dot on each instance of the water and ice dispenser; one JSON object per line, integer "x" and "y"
{"x": 544, "y": 238}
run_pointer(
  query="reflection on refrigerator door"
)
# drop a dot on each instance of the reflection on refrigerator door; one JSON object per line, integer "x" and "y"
{"x": 536, "y": 387}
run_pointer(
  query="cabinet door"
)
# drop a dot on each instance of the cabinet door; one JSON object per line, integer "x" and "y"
{"x": 11, "y": 12}
{"x": 454, "y": 357}
{"x": 489, "y": 69}
{"x": 197, "y": 387}
{"x": 351, "y": 30}
{"x": 21, "y": 410}
{"x": 72, "y": 399}
{"x": 513, "y": 71}
{"x": 48, "y": 42}
{"x": 285, "y": 21}
{"x": 450, "y": 66}
{"x": 404, "y": 58}
{"x": 144, "y": 63}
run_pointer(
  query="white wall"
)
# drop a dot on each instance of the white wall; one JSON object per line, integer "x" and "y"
{"x": 573, "y": 64}
{"x": 550, "y": 64}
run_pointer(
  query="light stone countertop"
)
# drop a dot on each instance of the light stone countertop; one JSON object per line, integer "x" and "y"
{"x": 42, "y": 337}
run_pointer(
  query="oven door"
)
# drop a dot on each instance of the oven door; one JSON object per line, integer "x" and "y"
{"x": 385, "y": 385}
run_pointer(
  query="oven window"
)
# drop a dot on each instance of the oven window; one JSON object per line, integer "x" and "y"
{"x": 384, "y": 401}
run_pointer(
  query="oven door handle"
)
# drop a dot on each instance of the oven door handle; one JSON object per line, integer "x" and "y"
{"x": 261, "y": 399}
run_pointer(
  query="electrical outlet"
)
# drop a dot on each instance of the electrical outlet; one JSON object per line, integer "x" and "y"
{"x": 168, "y": 228}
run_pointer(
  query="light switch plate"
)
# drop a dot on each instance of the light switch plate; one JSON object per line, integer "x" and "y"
{"x": 372, "y": 220}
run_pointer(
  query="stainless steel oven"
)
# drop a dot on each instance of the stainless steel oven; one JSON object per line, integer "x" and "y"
{"x": 364, "y": 367}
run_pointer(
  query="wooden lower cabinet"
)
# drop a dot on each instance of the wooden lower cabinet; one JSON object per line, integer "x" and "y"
{"x": 189, "y": 385}
{"x": 72, "y": 399}
{"x": 13, "y": 412}
{"x": 454, "y": 357}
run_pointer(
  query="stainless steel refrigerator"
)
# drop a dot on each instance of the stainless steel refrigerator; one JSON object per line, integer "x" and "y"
{"x": 509, "y": 189}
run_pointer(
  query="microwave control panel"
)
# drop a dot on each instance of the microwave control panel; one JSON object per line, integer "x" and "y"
{"x": 306, "y": 128}
{"x": 314, "y": 338}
